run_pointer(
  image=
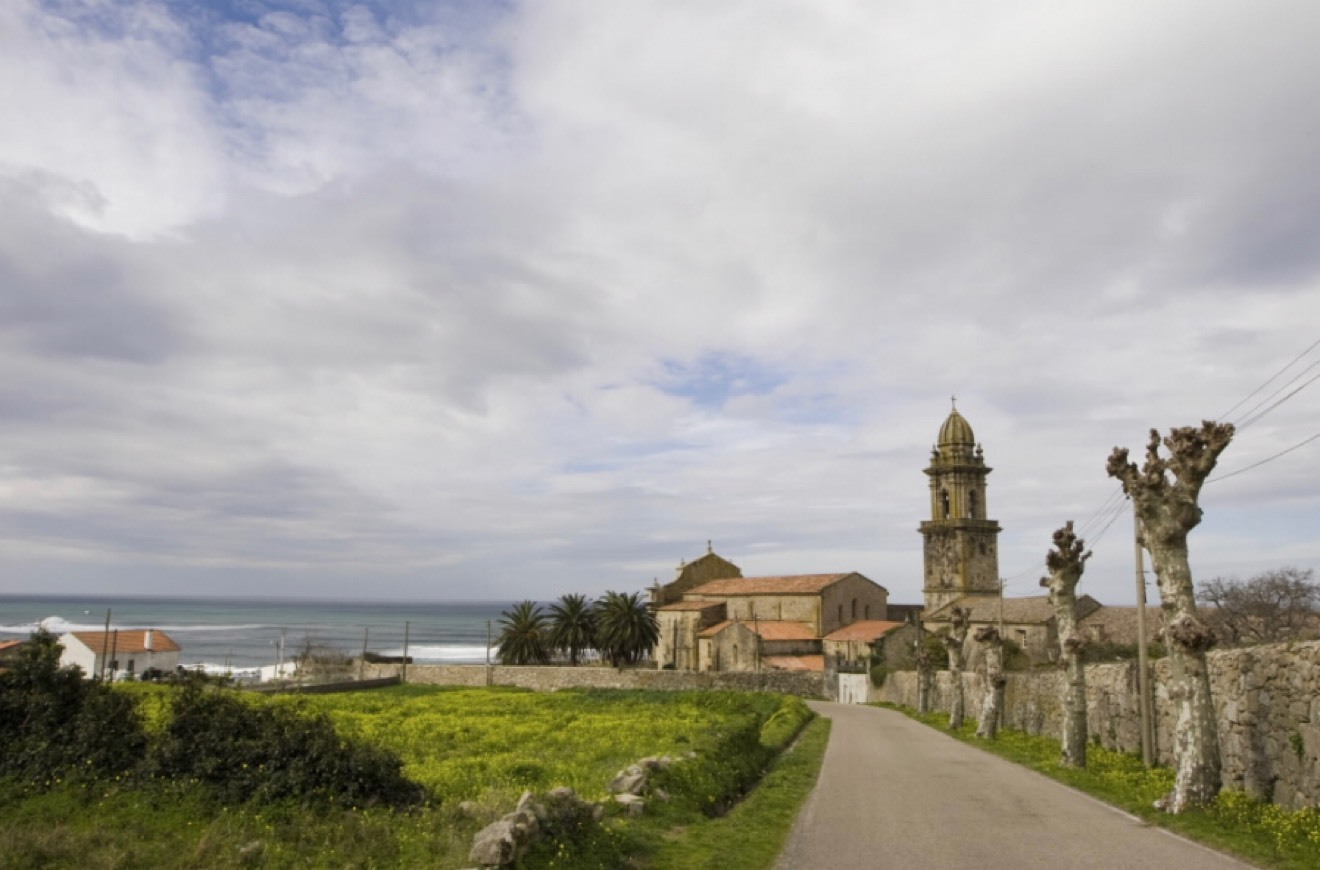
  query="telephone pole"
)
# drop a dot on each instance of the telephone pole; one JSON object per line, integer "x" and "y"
{"x": 1143, "y": 668}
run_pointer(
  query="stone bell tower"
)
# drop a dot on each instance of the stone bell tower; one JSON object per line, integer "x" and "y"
{"x": 961, "y": 554}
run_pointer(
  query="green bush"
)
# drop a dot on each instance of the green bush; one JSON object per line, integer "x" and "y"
{"x": 56, "y": 725}
{"x": 265, "y": 752}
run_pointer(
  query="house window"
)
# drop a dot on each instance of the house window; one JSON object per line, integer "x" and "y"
{"x": 866, "y": 612}
{"x": 854, "y": 608}
{"x": 130, "y": 666}
{"x": 840, "y": 614}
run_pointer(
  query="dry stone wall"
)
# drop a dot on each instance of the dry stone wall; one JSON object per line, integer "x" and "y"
{"x": 549, "y": 678}
{"x": 1267, "y": 698}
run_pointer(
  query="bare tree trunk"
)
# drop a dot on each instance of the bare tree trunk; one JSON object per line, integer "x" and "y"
{"x": 1168, "y": 510}
{"x": 954, "y": 641}
{"x": 1066, "y": 563}
{"x": 993, "y": 648}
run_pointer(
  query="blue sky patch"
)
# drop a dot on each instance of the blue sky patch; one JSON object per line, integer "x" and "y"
{"x": 714, "y": 378}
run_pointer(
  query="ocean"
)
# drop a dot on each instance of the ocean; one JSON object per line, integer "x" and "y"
{"x": 238, "y": 635}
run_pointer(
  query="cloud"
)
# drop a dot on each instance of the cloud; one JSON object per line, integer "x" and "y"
{"x": 513, "y": 300}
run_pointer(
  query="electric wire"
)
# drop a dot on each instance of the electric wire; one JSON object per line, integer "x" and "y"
{"x": 1253, "y": 420}
{"x": 1263, "y": 461}
{"x": 1271, "y": 380}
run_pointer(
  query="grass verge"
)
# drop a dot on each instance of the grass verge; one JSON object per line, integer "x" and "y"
{"x": 752, "y": 835}
{"x": 1262, "y": 833}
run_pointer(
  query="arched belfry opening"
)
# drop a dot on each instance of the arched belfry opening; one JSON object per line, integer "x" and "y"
{"x": 961, "y": 556}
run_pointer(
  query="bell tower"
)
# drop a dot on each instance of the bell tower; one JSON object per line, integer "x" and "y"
{"x": 961, "y": 554}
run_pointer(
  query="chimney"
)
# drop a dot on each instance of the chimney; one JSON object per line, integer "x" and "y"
{"x": 147, "y": 640}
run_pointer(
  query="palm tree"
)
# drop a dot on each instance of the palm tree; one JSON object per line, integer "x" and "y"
{"x": 523, "y": 635}
{"x": 626, "y": 627}
{"x": 572, "y": 625}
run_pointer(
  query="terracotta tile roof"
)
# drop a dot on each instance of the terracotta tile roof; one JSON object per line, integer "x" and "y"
{"x": 800, "y": 584}
{"x": 1023, "y": 611}
{"x": 129, "y": 641}
{"x": 866, "y": 629}
{"x": 692, "y": 605}
{"x": 1119, "y": 624}
{"x": 794, "y": 663}
{"x": 9, "y": 644}
{"x": 768, "y": 629}
{"x": 785, "y": 630}
{"x": 715, "y": 629}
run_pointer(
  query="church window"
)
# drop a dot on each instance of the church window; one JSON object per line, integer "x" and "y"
{"x": 944, "y": 502}
{"x": 971, "y": 504}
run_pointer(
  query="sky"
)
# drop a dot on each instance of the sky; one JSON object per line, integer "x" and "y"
{"x": 485, "y": 301}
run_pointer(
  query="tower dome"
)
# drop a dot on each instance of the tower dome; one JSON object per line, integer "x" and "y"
{"x": 956, "y": 431}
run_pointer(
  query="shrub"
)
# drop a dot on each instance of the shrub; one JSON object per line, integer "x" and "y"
{"x": 56, "y": 725}
{"x": 265, "y": 752}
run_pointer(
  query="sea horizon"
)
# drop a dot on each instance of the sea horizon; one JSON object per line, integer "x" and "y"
{"x": 240, "y": 633}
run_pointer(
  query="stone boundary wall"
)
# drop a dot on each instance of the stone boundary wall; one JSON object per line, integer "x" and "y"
{"x": 549, "y": 678}
{"x": 1267, "y": 698}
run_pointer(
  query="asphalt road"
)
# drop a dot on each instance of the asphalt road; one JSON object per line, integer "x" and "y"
{"x": 894, "y": 793}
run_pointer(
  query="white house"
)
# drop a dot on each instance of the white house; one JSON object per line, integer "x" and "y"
{"x": 128, "y": 651}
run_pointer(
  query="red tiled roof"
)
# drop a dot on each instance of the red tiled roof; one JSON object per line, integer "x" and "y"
{"x": 768, "y": 629}
{"x": 692, "y": 605}
{"x": 866, "y": 629}
{"x": 131, "y": 641}
{"x": 785, "y": 630}
{"x": 9, "y": 644}
{"x": 794, "y": 663}
{"x": 715, "y": 629}
{"x": 1023, "y": 611}
{"x": 800, "y": 584}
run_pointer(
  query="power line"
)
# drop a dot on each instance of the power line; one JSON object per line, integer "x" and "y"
{"x": 1263, "y": 461}
{"x": 1271, "y": 380}
{"x": 1104, "y": 509}
{"x": 1310, "y": 381}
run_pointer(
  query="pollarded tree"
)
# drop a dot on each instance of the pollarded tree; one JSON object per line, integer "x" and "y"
{"x": 1165, "y": 492}
{"x": 573, "y": 625}
{"x": 992, "y": 647}
{"x": 959, "y": 619}
{"x": 524, "y": 635}
{"x": 626, "y": 627}
{"x": 1066, "y": 563}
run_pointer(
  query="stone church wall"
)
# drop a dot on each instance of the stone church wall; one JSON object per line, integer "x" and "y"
{"x": 1267, "y": 698}
{"x": 551, "y": 678}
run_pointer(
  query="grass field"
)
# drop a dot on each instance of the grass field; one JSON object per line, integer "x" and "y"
{"x": 475, "y": 751}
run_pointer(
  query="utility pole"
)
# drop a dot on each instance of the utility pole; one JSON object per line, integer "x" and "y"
{"x": 105, "y": 647}
{"x": 114, "y": 652}
{"x": 488, "y": 653}
{"x": 1002, "y": 583}
{"x": 404, "y": 677}
{"x": 1143, "y": 667}
{"x": 362, "y": 662}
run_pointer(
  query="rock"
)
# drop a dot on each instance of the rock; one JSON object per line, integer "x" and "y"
{"x": 632, "y": 803}
{"x": 495, "y": 845}
{"x": 660, "y": 794}
{"x": 251, "y": 852}
{"x": 467, "y": 809}
{"x": 631, "y": 780}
